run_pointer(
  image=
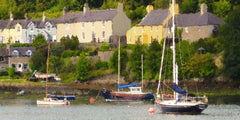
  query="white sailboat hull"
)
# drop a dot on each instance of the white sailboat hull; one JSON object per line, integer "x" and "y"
{"x": 50, "y": 101}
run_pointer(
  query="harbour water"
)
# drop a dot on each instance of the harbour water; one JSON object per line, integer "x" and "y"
{"x": 25, "y": 109}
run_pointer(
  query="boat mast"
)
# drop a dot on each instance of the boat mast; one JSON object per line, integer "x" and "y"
{"x": 118, "y": 60}
{"x": 46, "y": 87}
{"x": 161, "y": 66}
{"x": 142, "y": 69}
{"x": 173, "y": 48}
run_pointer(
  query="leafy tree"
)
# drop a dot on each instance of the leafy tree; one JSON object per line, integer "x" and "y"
{"x": 39, "y": 59}
{"x": 83, "y": 67}
{"x": 39, "y": 41}
{"x": 221, "y": 8}
{"x": 153, "y": 59}
{"x": 135, "y": 61}
{"x": 11, "y": 71}
{"x": 161, "y": 3}
{"x": 104, "y": 47}
{"x": 54, "y": 64}
{"x": 113, "y": 61}
{"x": 230, "y": 36}
{"x": 188, "y": 6}
{"x": 70, "y": 43}
{"x": 101, "y": 65}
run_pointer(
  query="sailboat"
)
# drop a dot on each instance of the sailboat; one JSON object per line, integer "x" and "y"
{"x": 134, "y": 94}
{"x": 180, "y": 103}
{"x": 49, "y": 100}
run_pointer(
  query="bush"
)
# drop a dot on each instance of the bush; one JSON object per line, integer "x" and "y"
{"x": 3, "y": 73}
{"x": 101, "y": 65}
{"x": 104, "y": 47}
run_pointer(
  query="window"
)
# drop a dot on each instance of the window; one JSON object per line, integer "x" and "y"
{"x": 29, "y": 53}
{"x": 83, "y": 35}
{"x": 130, "y": 39}
{"x": 151, "y": 28}
{"x": 67, "y": 27}
{"x": 92, "y": 24}
{"x": 1, "y": 58}
{"x": 157, "y": 28}
{"x": 186, "y": 29}
{"x": 83, "y": 25}
{"x": 15, "y": 53}
{"x": 142, "y": 28}
{"x": 48, "y": 28}
{"x": 18, "y": 29}
{"x": 103, "y": 24}
{"x": 25, "y": 66}
{"x": 93, "y": 35}
{"x": 103, "y": 35}
{"x": 19, "y": 65}
{"x": 13, "y": 65}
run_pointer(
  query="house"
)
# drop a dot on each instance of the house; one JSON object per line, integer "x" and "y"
{"x": 93, "y": 26}
{"x": 25, "y": 31}
{"x": 3, "y": 58}
{"x": 151, "y": 26}
{"x": 195, "y": 25}
{"x": 20, "y": 57}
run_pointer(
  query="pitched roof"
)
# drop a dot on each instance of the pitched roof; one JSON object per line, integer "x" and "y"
{"x": 155, "y": 17}
{"x": 3, "y": 24}
{"x": 196, "y": 19}
{"x": 22, "y": 50}
{"x": 89, "y": 16}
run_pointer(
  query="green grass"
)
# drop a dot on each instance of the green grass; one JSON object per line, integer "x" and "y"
{"x": 13, "y": 80}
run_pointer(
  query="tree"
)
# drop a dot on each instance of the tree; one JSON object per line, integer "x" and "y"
{"x": 83, "y": 67}
{"x": 188, "y": 6}
{"x": 11, "y": 71}
{"x": 153, "y": 59}
{"x": 230, "y": 36}
{"x": 161, "y": 3}
{"x": 113, "y": 61}
{"x": 39, "y": 41}
{"x": 221, "y": 8}
{"x": 135, "y": 61}
{"x": 70, "y": 43}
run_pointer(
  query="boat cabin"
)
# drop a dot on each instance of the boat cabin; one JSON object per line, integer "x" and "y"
{"x": 135, "y": 89}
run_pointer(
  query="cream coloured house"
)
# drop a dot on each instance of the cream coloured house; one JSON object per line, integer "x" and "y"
{"x": 151, "y": 27}
{"x": 93, "y": 26}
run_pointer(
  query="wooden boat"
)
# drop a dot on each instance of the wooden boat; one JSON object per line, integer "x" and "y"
{"x": 50, "y": 101}
{"x": 181, "y": 103}
{"x": 134, "y": 93}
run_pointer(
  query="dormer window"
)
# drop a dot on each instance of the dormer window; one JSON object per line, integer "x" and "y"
{"x": 18, "y": 29}
{"x": 15, "y": 53}
{"x": 29, "y": 53}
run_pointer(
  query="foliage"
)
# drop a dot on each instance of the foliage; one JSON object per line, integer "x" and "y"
{"x": 101, "y": 65}
{"x": 105, "y": 47}
{"x": 135, "y": 61}
{"x": 161, "y": 3}
{"x": 83, "y": 67}
{"x": 2, "y": 45}
{"x": 70, "y": 43}
{"x": 20, "y": 45}
{"x": 54, "y": 64}
{"x": 11, "y": 71}
{"x": 188, "y": 6}
{"x": 70, "y": 53}
{"x": 56, "y": 49}
{"x": 113, "y": 61}
{"x": 3, "y": 73}
{"x": 39, "y": 41}
{"x": 153, "y": 58}
{"x": 221, "y": 8}
{"x": 230, "y": 36}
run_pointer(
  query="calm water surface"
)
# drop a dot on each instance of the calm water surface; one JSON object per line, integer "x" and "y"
{"x": 22, "y": 109}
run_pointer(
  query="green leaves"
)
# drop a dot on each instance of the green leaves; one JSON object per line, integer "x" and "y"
{"x": 83, "y": 67}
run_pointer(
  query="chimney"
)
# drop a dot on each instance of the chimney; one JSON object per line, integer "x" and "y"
{"x": 85, "y": 8}
{"x": 149, "y": 8}
{"x": 11, "y": 16}
{"x": 26, "y": 16}
{"x": 44, "y": 17}
{"x": 203, "y": 8}
{"x": 120, "y": 7}
{"x": 64, "y": 11}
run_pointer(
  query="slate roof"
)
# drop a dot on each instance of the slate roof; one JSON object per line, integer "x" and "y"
{"x": 183, "y": 20}
{"x": 3, "y": 24}
{"x": 89, "y": 16}
{"x": 22, "y": 50}
{"x": 155, "y": 17}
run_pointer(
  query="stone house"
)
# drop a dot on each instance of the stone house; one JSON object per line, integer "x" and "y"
{"x": 151, "y": 26}
{"x": 93, "y": 26}
{"x": 195, "y": 25}
{"x": 19, "y": 58}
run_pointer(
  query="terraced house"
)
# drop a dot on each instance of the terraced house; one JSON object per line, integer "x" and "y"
{"x": 93, "y": 26}
{"x": 157, "y": 25}
{"x": 25, "y": 31}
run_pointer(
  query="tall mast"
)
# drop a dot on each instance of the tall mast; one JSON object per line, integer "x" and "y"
{"x": 118, "y": 61}
{"x": 142, "y": 69}
{"x": 46, "y": 87}
{"x": 173, "y": 41}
